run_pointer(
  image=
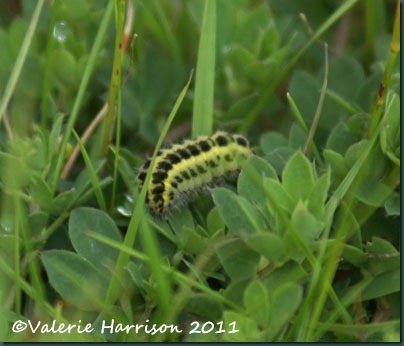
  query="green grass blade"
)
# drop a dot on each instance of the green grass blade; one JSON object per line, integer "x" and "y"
{"x": 21, "y": 58}
{"x": 93, "y": 175}
{"x": 202, "y": 122}
{"x": 117, "y": 148}
{"x": 150, "y": 246}
{"x": 115, "y": 84}
{"x": 139, "y": 208}
{"x": 317, "y": 115}
{"x": 47, "y": 66}
{"x": 322, "y": 276}
{"x": 80, "y": 94}
{"x": 303, "y": 125}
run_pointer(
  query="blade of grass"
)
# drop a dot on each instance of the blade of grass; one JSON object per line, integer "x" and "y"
{"x": 202, "y": 117}
{"x": 116, "y": 150}
{"x": 369, "y": 8}
{"x": 80, "y": 94}
{"x": 115, "y": 85}
{"x": 316, "y": 119}
{"x": 15, "y": 73}
{"x": 95, "y": 182}
{"x": 122, "y": 79}
{"x": 323, "y": 274}
{"x": 86, "y": 135}
{"x": 394, "y": 49}
{"x": 349, "y": 297}
{"x": 168, "y": 37}
{"x": 355, "y": 329}
{"x": 26, "y": 287}
{"x": 46, "y": 80}
{"x": 341, "y": 102}
{"x": 139, "y": 208}
{"x": 33, "y": 267}
{"x": 163, "y": 285}
{"x": 300, "y": 120}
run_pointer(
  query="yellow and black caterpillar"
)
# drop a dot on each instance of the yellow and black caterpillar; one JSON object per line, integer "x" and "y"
{"x": 184, "y": 169}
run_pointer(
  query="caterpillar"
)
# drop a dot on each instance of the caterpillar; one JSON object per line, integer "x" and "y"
{"x": 182, "y": 170}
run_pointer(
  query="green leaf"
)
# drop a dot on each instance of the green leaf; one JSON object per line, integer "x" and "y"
{"x": 237, "y": 213}
{"x": 83, "y": 181}
{"x": 239, "y": 57}
{"x": 393, "y": 205}
{"x": 291, "y": 271}
{"x": 54, "y": 136}
{"x": 376, "y": 164}
{"x": 357, "y": 125}
{"x": 250, "y": 23}
{"x": 376, "y": 196}
{"x": 14, "y": 171}
{"x": 305, "y": 90}
{"x": 390, "y": 131}
{"x": 297, "y": 177}
{"x": 284, "y": 302}
{"x": 351, "y": 224}
{"x": 268, "y": 40}
{"x": 214, "y": 222}
{"x": 234, "y": 292}
{"x": 247, "y": 330}
{"x": 279, "y": 157}
{"x": 345, "y": 77}
{"x": 280, "y": 197}
{"x": 297, "y": 137}
{"x": 256, "y": 302}
{"x": 205, "y": 305}
{"x": 75, "y": 279}
{"x": 139, "y": 273}
{"x": 190, "y": 241}
{"x": 86, "y": 219}
{"x": 337, "y": 163}
{"x": 241, "y": 107}
{"x": 307, "y": 227}
{"x": 62, "y": 201}
{"x": 179, "y": 221}
{"x": 385, "y": 256}
{"x": 271, "y": 141}
{"x": 382, "y": 285}
{"x": 269, "y": 245}
{"x": 31, "y": 77}
{"x": 340, "y": 139}
{"x": 63, "y": 68}
{"x": 6, "y": 55}
{"x": 355, "y": 151}
{"x": 41, "y": 193}
{"x": 318, "y": 195}
{"x": 75, "y": 9}
{"x": 354, "y": 255}
{"x": 238, "y": 260}
{"x": 38, "y": 221}
{"x": 17, "y": 31}
{"x": 248, "y": 187}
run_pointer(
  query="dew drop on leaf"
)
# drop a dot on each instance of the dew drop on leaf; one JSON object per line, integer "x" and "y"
{"x": 60, "y": 31}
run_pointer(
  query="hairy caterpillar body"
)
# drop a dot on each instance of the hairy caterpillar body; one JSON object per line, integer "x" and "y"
{"x": 182, "y": 170}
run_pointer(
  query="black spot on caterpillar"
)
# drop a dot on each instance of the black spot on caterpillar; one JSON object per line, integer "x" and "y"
{"x": 182, "y": 170}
